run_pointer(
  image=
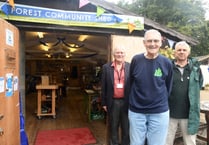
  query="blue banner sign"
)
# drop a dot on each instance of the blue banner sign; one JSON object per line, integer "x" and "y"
{"x": 70, "y": 18}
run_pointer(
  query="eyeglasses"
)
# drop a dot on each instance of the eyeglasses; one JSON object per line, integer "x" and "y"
{"x": 154, "y": 40}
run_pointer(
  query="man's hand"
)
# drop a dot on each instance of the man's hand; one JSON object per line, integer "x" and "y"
{"x": 105, "y": 108}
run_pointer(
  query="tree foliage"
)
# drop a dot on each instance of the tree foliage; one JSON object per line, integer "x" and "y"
{"x": 184, "y": 16}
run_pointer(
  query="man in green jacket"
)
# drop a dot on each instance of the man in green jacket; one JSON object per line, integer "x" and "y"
{"x": 184, "y": 101}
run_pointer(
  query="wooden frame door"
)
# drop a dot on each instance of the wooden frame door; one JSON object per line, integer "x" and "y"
{"x": 9, "y": 78}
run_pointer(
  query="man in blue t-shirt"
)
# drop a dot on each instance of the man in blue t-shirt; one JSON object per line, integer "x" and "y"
{"x": 151, "y": 77}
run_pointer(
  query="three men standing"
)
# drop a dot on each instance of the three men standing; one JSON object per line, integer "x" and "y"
{"x": 142, "y": 96}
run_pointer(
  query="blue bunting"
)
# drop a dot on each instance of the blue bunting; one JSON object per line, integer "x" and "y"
{"x": 117, "y": 19}
{"x": 6, "y": 8}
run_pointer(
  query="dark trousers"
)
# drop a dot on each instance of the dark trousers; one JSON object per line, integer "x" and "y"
{"x": 118, "y": 120}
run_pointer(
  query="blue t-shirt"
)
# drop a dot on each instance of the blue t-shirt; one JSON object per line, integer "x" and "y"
{"x": 151, "y": 82}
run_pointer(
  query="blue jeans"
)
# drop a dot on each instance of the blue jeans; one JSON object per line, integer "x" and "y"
{"x": 153, "y": 127}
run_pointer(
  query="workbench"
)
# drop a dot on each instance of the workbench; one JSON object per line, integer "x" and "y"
{"x": 40, "y": 100}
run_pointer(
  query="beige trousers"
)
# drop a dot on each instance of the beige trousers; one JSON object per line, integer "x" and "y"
{"x": 182, "y": 123}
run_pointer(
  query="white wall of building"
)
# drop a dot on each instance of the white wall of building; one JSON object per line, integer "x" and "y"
{"x": 205, "y": 72}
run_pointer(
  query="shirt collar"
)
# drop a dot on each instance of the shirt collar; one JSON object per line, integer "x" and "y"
{"x": 114, "y": 64}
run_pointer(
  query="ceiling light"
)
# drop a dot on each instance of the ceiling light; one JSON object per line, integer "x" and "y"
{"x": 40, "y": 35}
{"x": 45, "y": 48}
{"x": 82, "y": 37}
{"x": 48, "y": 55}
{"x": 60, "y": 48}
{"x": 73, "y": 45}
{"x": 67, "y": 55}
{"x": 61, "y": 41}
{"x": 73, "y": 49}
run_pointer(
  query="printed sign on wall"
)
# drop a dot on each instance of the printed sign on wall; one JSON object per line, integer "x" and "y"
{"x": 9, "y": 37}
{"x": 1, "y": 84}
{"x": 15, "y": 83}
{"x": 9, "y": 85}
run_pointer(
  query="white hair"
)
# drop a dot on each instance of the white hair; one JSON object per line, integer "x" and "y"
{"x": 183, "y": 44}
{"x": 120, "y": 48}
{"x": 152, "y": 31}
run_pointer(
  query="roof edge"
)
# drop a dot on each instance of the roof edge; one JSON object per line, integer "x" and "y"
{"x": 148, "y": 22}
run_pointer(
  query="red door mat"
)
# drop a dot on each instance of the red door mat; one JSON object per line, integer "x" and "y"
{"x": 73, "y": 136}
